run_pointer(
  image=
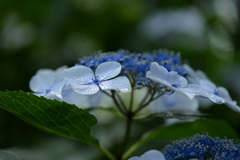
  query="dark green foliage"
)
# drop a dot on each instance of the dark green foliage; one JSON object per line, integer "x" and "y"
{"x": 50, "y": 116}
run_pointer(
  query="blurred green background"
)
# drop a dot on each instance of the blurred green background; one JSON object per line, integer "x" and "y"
{"x": 51, "y": 33}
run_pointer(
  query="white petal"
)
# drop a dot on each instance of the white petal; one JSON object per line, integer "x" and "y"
{"x": 175, "y": 101}
{"x": 152, "y": 155}
{"x": 190, "y": 95}
{"x": 207, "y": 84}
{"x": 197, "y": 90}
{"x": 158, "y": 71}
{"x": 87, "y": 89}
{"x": 134, "y": 158}
{"x": 224, "y": 93}
{"x": 229, "y": 102}
{"x": 233, "y": 105}
{"x": 108, "y": 70}
{"x": 201, "y": 75}
{"x": 59, "y": 70}
{"x": 42, "y": 80}
{"x": 40, "y": 94}
{"x": 172, "y": 78}
{"x": 57, "y": 88}
{"x": 72, "y": 97}
{"x": 121, "y": 84}
{"x": 182, "y": 81}
{"x": 95, "y": 99}
{"x": 78, "y": 75}
{"x": 216, "y": 99}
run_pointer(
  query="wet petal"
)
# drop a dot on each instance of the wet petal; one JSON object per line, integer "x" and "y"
{"x": 87, "y": 89}
{"x": 172, "y": 78}
{"x": 224, "y": 93}
{"x": 78, "y": 75}
{"x": 229, "y": 102}
{"x": 121, "y": 84}
{"x": 157, "y": 71}
{"x": 176, "y": 102}
{"x": 42, "y": 80}
{"x": 196, "y": 90}
{"x": 158, "y": 74}
{"x": 208, "y": 85}
{"x": 108, "y": 70}
{"x": 57, "y": 88}
{"x": 59, "y": 70}
{"x": 75, "y": 98}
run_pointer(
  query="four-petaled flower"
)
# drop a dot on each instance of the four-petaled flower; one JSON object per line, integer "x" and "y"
{"x": 83, "y": 80}
{"x": 173, "y": 81}
{"x": 217, "y": 95}
{"x": 47, "y": 82}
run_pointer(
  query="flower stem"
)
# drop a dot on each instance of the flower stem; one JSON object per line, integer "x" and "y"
{"x": 116, "y": 103}
{"x": 126, "y": 136}
{"x": 107, "y": 153}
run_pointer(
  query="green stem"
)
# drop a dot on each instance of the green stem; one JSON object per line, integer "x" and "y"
{"x": 107, "y": 153}
{"x": 117, "y": 104}
{"x": 121, "y": 101}
{"x": 127, "y": 135}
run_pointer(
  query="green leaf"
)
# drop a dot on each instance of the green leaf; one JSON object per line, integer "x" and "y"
{"x": 214, "y": 128}
{"x": 51, "y": 116}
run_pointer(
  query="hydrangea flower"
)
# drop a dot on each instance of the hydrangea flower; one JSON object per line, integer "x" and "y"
{"x": 216, "y": 94}
{"x": 202, "y": 147}
{"x": 135, "y": 66}
{"x": 160, "y": 73}
{"x": 150, "y": 155}
{"x": 172, "y": 81}
{"x": 83, "y": 80}
{"x": 47, "y": 82}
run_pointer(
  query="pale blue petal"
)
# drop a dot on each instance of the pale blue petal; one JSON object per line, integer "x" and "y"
{"x": 72, "y": 97}
{"x": 208, "y": 85}
{"x": 184, "y": 91}
{"x": 172, "y": 78}
{"x": 224, "y": 93}
{"x": 152, "y": 155}
{"x": 182, "y": 81}
{"x": 42, "y": 80}
{"x": 233, "y": 105}
{"x": 87, "y": 89}
{"x": 191, "y": 75}
{"x": 201, "y": 75}
{"x": 121, "y": 84}
{"x": 78, "y": 75}
{"x": 134, "y": 158}
{"x": 196, "y": 90}
{"x": 60, "y": 70}
{"x": 108, "y": 70}
{"x": 95, "y": 100}
{"x": 229, "y": 102}
{"x": 57, "y": 88}
{"x": 40, "y": 94}
{"x": 157, "y": 79}
{"x": 176, "y": 102}
{"x": 157, "y": 71}
{"x": 216, "y": 99}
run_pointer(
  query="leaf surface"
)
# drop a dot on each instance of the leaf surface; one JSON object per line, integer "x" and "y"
{"x": 51, "y": 116}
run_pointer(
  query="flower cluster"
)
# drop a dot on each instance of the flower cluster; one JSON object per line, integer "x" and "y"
{"x": 202, "y": 147}
{"x": 161, "y": 72}
{"x": 197, "y": 147}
